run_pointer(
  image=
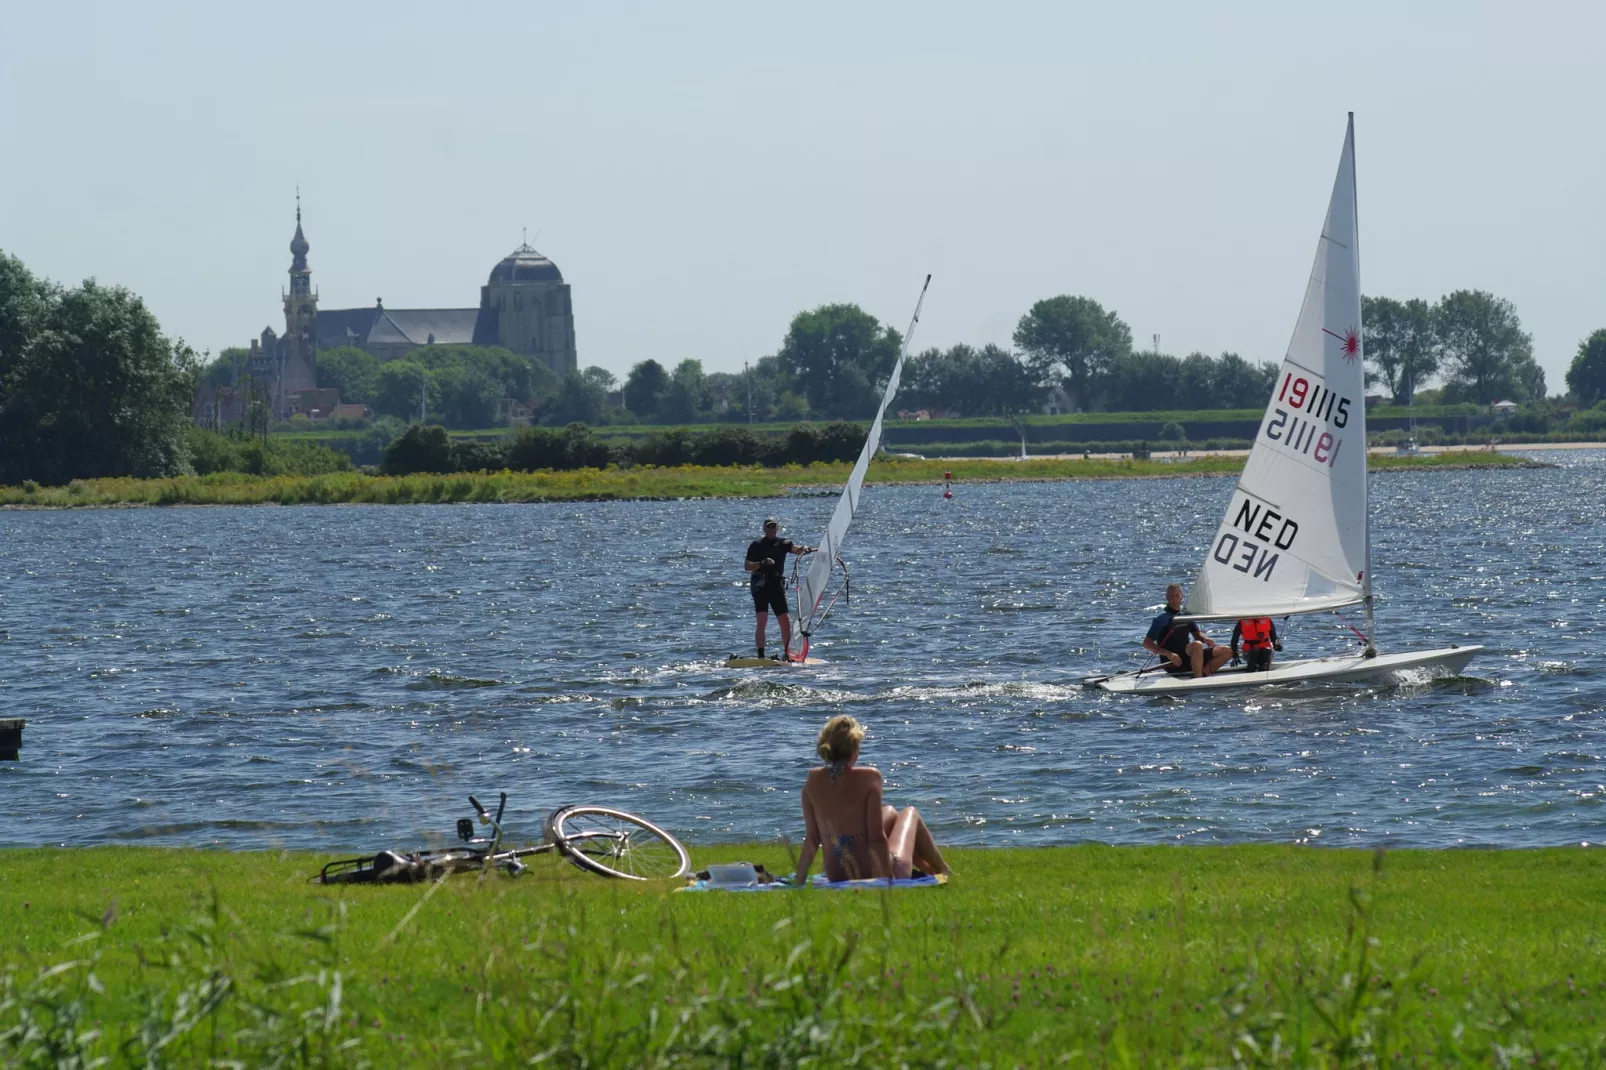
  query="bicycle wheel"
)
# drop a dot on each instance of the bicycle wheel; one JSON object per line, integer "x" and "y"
{"x": 617, "y": 844}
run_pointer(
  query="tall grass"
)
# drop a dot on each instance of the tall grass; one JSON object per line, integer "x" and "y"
{"x": 1246, "y": 956}
{"x": 638, "y": 483}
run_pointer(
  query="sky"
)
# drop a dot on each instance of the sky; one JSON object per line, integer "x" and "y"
{"x": 702, "y": 172}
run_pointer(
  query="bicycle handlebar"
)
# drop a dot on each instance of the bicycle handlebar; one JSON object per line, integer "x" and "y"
{"x": 480, "y": 809}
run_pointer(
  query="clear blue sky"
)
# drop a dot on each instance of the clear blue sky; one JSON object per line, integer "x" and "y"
{"x": 702, "y": 172}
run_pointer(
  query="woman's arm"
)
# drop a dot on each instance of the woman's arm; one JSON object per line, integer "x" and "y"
{"x": 876, "y": 832}
{"x": 811, "y": 841}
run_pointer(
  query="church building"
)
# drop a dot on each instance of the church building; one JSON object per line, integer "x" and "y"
{"x": 524, "y": 307}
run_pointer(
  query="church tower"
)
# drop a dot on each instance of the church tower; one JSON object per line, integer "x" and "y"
{"x": 529, "y": 305}
{"x": 300, "y": 341}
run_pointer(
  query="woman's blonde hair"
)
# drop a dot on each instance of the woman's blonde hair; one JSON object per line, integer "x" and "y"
{"x": 839, "y": 739}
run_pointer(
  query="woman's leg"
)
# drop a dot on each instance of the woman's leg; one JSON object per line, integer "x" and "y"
{"x": 901, "y": 839}
{"x": 926, "y": 853}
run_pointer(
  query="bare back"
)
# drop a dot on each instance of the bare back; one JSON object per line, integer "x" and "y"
{"x": 844, "y": 817}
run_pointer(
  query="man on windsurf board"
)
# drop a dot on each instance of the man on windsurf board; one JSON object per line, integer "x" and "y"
{"x": 766, "y": 567}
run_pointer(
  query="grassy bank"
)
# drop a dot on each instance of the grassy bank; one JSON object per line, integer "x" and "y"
{"x": 1081, "y": 956}
{"x": 645, "y": 483}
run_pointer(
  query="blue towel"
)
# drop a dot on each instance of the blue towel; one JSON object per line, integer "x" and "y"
{"x": 819, "y": 881}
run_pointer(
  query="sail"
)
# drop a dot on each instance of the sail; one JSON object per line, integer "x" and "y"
{"x": 1294, "y": 538}
{"x": 811, "y": 589}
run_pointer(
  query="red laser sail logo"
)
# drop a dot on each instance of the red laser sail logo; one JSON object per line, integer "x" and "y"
{"x": 1351, "y": 340}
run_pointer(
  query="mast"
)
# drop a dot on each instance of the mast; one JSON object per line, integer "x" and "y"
{"x": 1366, "y": 579}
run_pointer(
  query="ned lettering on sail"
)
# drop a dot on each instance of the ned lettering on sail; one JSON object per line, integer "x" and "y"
{"x": 1249, "y": 553}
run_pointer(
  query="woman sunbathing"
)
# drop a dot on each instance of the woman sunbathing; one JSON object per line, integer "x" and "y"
{"x": 843, "y": 812}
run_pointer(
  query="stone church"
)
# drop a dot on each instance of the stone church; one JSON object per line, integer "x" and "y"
{"x": 524, "y": 307}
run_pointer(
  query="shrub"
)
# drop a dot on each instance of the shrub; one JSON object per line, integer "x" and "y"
{"x": 419, "y": 449}
{"x": 470, "y": 456}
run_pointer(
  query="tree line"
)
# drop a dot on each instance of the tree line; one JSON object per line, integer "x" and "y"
{"x": 428, "y": 448}
{"x": 91, "y": 386}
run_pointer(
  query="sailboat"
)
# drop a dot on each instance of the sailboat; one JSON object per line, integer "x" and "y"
{"x": 1296, "y": 536}
{"x": 817, "y": 592}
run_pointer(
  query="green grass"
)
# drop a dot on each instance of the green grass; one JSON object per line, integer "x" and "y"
{"x": 1078, "y": 956}
{"x": 642, "y": 483}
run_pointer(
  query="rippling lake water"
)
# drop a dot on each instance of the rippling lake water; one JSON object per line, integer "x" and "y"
{"x": 343, "y": 676}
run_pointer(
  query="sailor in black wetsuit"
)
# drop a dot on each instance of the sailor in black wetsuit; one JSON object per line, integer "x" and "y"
{"x": 1183, "y": 647}
{"x": 766, "y": 565}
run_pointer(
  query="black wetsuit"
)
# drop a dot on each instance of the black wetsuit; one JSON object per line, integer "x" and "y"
{"x": 1174, "y": 637}
{"x": 768, "y": 583}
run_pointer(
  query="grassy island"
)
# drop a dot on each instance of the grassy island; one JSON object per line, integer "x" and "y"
{"x": 1077, "y": 956}
{"x": 635, "y": 483}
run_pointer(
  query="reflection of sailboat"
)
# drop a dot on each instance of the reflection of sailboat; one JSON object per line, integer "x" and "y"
{"x": 1296, "y": 535}
{"x": 816, "y": 594}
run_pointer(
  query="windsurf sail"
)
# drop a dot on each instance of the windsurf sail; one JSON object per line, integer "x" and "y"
{"x": 815, "y": 582}
{"x": 1295, "y": 536}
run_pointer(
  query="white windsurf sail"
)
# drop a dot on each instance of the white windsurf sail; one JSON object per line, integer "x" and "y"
{"x": 811, "y": 589}
{"x": 1295, "y": 538}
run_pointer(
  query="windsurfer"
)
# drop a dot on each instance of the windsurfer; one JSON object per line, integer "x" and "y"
{"x": 766, "y": 566}
{"x": 1183, "y": 647}
{"x": 1259, "y": 638}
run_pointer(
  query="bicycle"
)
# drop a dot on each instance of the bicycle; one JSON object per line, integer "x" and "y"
{"x": 599, "y": 839}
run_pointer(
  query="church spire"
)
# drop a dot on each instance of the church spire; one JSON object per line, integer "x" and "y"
{"x": 298, "y": 244}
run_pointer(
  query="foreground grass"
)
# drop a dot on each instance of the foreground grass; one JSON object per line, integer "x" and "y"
{"x": 1075, "y": 956}
{"x": 643, "y": 483}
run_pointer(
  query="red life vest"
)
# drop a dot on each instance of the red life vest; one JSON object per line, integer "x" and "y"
{"x": 1256, "y": 633}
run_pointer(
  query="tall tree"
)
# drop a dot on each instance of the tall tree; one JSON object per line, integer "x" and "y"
{"x": 1242, "y": 385}
{"x": 688, "y": 392}
{"x": 1402, "y": 343}
{"x": 1071, "y": 341}
{"x": 1487, "y": 355}
{"x": 89, "y": 385}
{"x": 583, "y": 399}
{"x": 645, "y": 389}
{"x": 352, "y": 371}
{"x": 839, "y": 355}
{"x": 401, "y": 388}
{"x": 1586, "y": 377}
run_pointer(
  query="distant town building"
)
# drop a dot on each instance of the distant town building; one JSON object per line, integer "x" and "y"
{"x": 525, "y": 306}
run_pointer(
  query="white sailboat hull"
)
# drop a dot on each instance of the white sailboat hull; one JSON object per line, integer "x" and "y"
{"x": 1447, "y": 661}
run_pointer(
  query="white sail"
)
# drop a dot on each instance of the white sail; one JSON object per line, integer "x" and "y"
{"x": 811, "y": 589}
{"x": 1294, "y": 538}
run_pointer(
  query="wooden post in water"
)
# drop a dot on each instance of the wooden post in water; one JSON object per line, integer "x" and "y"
{"x": 10, "y": 739}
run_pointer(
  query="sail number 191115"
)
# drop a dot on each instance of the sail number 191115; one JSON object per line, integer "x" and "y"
{"x": 1300, "y": 426}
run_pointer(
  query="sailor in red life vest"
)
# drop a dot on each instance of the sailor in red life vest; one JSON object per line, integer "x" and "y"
{"x": 1259, "y": 638}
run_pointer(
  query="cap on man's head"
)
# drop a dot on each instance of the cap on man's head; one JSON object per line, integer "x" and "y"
{"x": 771, "y": 522}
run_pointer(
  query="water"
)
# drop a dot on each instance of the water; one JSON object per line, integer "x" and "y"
{"x": 343, "y": 676}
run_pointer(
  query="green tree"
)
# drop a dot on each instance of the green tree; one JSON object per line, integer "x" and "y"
{"x": 399, "y": 389}
{"x": 645, "y": 390}
{"x": 839, "y": 355}
{"x": 1072, "y": 341}
{"x": 1402, "y": 343}
{"x": 89, "y": 385}
{"x": 1586, "y": 377}
{"x": 1487, "y": 355}
{"x": 1242, "y": 385}
{"x": 963, "y": 380}
{"x": 583, "y": 398}
{"x": 519, "y": 377}
{"x": 226, "y": 368}
{"x": 688, "y": 392}
{"x": 1143, "y": 382}
{"x": 352, "y": 371}
{"x": 469, "y": 397}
